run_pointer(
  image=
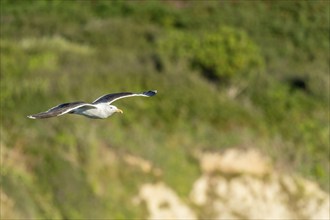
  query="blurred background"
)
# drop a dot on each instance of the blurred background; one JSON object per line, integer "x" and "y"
{"x": 250, "y": 76}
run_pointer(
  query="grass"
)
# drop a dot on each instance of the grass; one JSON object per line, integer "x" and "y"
{"x": 80, "y": 50}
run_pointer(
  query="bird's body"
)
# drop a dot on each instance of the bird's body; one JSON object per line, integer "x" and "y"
{"x": 101, "y": 111}
{"x": 101, "y": 108}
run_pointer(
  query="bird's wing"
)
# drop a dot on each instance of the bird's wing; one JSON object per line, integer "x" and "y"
{"x": 61, "y": 110}
{"x": 110, "y": 98}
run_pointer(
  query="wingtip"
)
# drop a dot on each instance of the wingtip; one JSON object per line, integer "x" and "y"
{"x": 150, "y": 93}
{"x": 31, "y": 117}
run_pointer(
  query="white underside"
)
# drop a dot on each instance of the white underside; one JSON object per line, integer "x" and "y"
{"x": 100, "y": 112}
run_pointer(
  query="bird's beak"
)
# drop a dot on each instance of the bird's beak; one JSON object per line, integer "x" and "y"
{"x": 119, "y": 110}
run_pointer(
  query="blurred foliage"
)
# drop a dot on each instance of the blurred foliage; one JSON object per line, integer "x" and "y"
{"x": 221, "y": 55}
{"x": 276, "y": 96}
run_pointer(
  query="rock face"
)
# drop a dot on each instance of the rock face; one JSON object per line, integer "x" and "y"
{"x": 234, "y": 162}
{"x": 246, "y": 197}
{"x": 239, "y": 185}
{"x": 163, "y": 203}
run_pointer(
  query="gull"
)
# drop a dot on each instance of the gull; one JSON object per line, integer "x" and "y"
{"x": 99, "y": 109}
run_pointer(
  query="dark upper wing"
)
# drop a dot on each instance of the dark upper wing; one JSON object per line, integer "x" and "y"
{"x": 109, "y": 98}
{"x": 60, "y": 110}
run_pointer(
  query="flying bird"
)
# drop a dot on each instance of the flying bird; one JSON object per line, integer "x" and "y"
{"x": 99, "y": 109}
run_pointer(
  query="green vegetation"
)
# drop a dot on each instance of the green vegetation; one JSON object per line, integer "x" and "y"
{"x": 222, "y": 55}
{"x": 228, "y": 75}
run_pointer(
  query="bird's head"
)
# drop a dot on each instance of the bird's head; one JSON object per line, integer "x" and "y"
{"x": 114, "y": 109}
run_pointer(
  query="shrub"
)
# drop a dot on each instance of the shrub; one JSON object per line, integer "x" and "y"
{"x": 227, "y": 53}
{"x": 221, "y": 55}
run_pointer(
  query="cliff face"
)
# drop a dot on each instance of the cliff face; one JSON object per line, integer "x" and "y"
{"x": 238, "y": 185}
{"x": 234, "y": 184}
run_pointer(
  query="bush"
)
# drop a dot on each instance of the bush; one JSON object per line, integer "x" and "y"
{"x": 222, "y": 55}
{"x": 227, "y": 53}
